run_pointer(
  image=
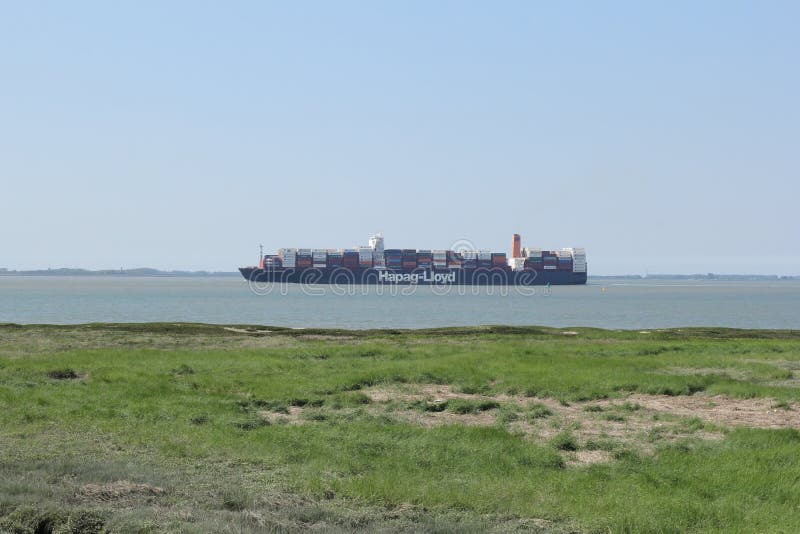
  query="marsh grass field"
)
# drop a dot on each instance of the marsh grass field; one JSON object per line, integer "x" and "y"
{"x": 202, "y": 428}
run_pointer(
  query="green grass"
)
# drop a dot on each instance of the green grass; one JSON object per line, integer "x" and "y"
{"x": 538, "y": 411}
{"x": 181, "y": 407}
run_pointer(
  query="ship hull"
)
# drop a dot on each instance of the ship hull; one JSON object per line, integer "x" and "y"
{"x": 477, "y": 277}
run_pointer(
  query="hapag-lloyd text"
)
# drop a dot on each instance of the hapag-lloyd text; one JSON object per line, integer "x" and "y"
{"x": 415, "y": 278}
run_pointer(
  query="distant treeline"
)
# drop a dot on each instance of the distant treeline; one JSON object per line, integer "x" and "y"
{"x": 707, "y": 276}
{"x": 143, "y": 271}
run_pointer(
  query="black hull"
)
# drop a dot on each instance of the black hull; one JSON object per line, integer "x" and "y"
{"x": 470, "y": 277}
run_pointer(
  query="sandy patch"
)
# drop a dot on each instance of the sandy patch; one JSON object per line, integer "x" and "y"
{"x": 588, "y": 457}
{"x": 292, "y": 418}
{"x": 725, "y": 411}
{"x": 246, "y": 330}
{"x": 428, "y": 392}
{"x": 638, "y": 422}
{"x": 719, "y": 409}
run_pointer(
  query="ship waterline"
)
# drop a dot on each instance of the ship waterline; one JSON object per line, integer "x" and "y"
{"x": 344, "y": 276}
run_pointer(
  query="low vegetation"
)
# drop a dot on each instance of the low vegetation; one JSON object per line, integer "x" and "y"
{"x": 203, "y": 428}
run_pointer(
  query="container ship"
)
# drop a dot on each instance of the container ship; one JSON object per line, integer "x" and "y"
{"x": 374, "y": 264}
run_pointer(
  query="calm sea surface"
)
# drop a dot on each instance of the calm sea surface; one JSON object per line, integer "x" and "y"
{"x": 606, "y": 304}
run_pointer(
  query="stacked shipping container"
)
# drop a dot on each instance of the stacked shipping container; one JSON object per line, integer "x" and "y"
{"x": 374, "y": 256}
{"x": 409, "y": 259}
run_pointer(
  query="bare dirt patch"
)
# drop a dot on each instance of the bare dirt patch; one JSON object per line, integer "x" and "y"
{"x": 639, "y": 421}
{"x": 719, "y": 409}
{"x": 246, "y": 330}
{"x": 600, "y": 428}
{"x": 588, "y": 457}
{"x": 429, "y": 392}
{"x": 725, "y": 411}
{"x": 292, "y": 418}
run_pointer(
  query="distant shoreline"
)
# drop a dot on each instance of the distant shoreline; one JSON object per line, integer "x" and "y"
{"x": 708, "y": 276}
{"x": 115, "y": 272}
{"x": 148, "y": 272}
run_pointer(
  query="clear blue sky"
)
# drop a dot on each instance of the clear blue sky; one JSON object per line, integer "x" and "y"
{"x": 661, "y": 136}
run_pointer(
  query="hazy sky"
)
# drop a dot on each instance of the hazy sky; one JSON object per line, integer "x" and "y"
{"x": 660, "y": 136}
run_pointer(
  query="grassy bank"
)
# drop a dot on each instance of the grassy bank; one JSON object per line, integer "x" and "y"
{"x": 208, "y": 428}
